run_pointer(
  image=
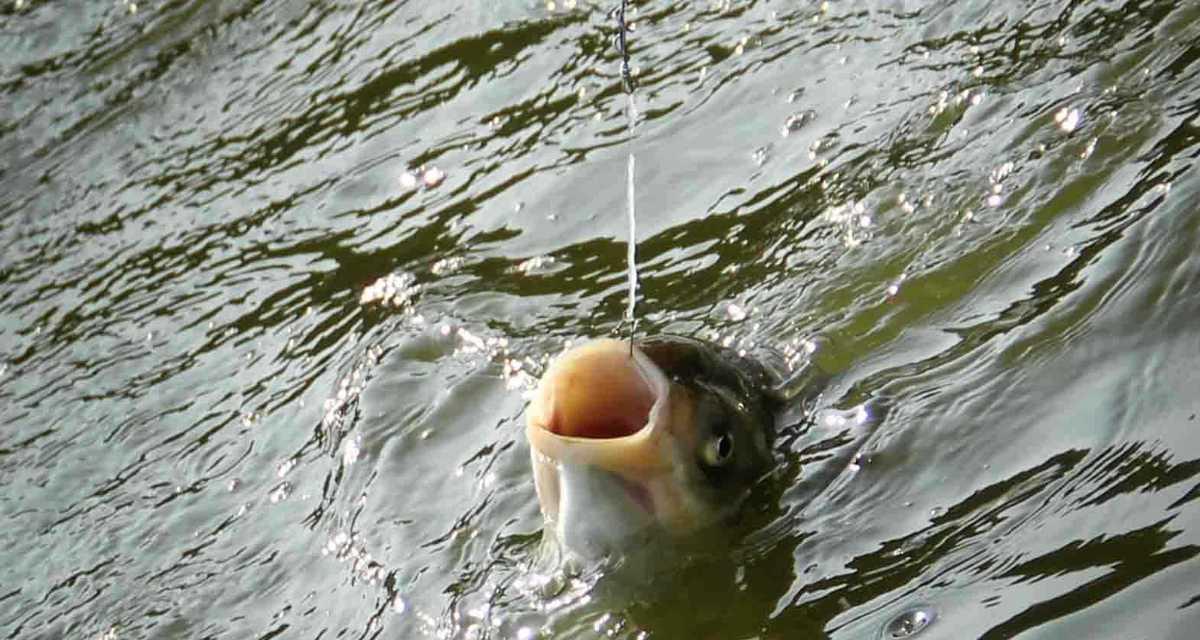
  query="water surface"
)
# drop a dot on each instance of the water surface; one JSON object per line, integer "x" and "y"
{"x": 257, "y": 380}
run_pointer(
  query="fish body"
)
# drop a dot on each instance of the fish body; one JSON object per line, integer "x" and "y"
{"x": 660, "y": 439}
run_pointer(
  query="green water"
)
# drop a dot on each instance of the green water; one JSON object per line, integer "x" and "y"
{"x": 983, "y": 214}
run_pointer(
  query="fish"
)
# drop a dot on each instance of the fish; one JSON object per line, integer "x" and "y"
{"x": 659, "y": 438}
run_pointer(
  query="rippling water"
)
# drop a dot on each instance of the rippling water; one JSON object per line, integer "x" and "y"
{"x": 275, "y": 276}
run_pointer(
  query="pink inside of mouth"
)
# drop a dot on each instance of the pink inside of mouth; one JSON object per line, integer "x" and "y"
{"x": 600, "y": 396}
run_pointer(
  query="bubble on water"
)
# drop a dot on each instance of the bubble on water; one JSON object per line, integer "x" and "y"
{"x": 995, "y": 200}
{"x": 861, "y": 415}
{"x": 909, "y": 623}
{"x": 281, "y": 492}
{"x": 110, "y": 633}
{"x": 517, "y": 376}
{"x": 797, "y": 121}
{"x": 735, "y": 312}
{"x": 432, "y": 177}
{"x": 447, "y": 265}
{"x": 760, "y": 155}
{"x": 537, "y": 265}
{"x": 351, "y": 450}
{"x": 834, "y": 419}
{"x": 234, "y": 484}
{"x": 398, "y": 604}
{"x": 409, "y": 181}
{"x": 1067, "y": 119}
{"x": 393, "y": 290}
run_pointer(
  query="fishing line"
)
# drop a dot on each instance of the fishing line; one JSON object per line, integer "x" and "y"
{"x": 631, "y": 254}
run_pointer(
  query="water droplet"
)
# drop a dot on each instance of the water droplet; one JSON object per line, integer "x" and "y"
{"x": 861, "y": 415}
{"x": 281, "y": 492}
{"x": 735, "y": 312}
{"x": 447, "y": 265}
{"x": 408, "y": 181}
{"x": 433, "y": 177}
{"x": 351, "y": 450}
{"x": 537, "y": 265}
{"x": 909, "y": 623}
{"x": 797, "y": 121}
{"x": 937, "y": 512}
{"x": 1067, "y": 119}
{"x": 395, "y": 289}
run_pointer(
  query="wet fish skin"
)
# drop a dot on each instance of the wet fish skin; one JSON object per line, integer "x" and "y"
{"x": 733, "y": 395}
{"x": 609, "y": 472}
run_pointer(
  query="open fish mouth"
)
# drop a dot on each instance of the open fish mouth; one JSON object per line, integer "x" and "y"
{"x": 600, "y": 434}
{"x": 601, "y": 404}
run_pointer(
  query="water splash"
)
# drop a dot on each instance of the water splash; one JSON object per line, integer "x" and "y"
{"x": 909, "y": 623}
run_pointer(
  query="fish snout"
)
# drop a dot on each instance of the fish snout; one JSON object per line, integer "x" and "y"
{"x": 600, "y": 444}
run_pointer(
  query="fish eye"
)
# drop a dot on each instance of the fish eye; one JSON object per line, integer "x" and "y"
{"x": 718, "y": 450}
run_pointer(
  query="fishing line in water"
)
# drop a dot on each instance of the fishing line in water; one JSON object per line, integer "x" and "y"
{"x": 631, "y": 114}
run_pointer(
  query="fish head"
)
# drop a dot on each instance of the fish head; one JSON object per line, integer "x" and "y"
{"x": 665, "y": 437}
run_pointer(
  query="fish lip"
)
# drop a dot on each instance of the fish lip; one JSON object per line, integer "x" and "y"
{"x": 629, "y": 456}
